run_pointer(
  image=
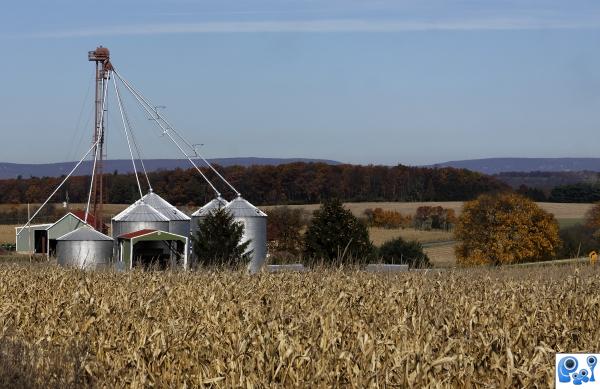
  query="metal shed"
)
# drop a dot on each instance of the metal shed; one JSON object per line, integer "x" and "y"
{"x": 32, "y": 238}
{"x": 179, "y": 222}
{"x": 84, "y": 248}
{"x": 68, "y": 223}
{"x": 147, "y": 247}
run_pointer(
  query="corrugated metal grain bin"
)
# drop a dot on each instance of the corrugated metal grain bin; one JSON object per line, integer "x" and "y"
{"x": 255, "y": 230}
{"x": 138, "y": 216}
{"x": 179, "y": 222}
{"x": 84, "y": 248}
{"x": 203, "y": 211}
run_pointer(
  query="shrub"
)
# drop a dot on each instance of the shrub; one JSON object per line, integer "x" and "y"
{"x": 505, "y": 228}
{"x": 387, "y": 219}
{"x": 284, "y": 227}
{"x": 592, "y": 218}
{"x": 336, "y": 234}
{"x": 438, "y": 218}
{"x": 578, "y": 240}
{"x": 218, "y": 240}
{"x": 402, "y": 252}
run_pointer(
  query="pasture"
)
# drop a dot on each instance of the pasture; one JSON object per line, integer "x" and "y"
{"x": 559, "y": 210}
{"x": 487, "y": 327}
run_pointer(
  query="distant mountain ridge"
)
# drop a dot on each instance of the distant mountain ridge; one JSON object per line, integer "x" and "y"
{"x": 14, "y": 170}
{"x": 502, "y": 165}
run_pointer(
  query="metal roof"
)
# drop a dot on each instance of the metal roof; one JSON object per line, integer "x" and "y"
{"x": 84, "y": 233}
{"x": 242, "y": 208}
{"x": 38, "y": 226}
{"x": 80, "y": 214}
{"x": 213, "y": 204}
{"x": 164, "y": 207}
{"x": 135, "y": 234}
{"x": 161, "y": 235}
{"x": 140, "y": 212}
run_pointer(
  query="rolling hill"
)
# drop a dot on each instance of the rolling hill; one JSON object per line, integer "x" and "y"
{"x": 14, "y": 170}
{"x": 501, "y": 165}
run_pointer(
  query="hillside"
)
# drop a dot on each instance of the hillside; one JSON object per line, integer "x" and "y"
{"x": 547, "y": 180}
{"x": 14, "y": 170}
{"x": 295, "y": 183}
{"x": 500, "y": 165}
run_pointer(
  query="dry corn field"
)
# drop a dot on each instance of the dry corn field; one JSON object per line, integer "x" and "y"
{"x": 464, "y": 328}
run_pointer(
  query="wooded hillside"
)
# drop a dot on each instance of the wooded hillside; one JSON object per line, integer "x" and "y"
{"x": 294, "y": 183}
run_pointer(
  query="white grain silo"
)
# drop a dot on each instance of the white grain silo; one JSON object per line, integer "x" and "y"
{"x": 84, "y": 248}
{"x": 136, "y": 217}
{"x": 179, "y": 222}
{"x": 203, "y": 211}
{"x": 255, "y": 230}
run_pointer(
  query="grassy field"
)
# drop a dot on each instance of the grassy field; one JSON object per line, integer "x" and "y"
{"x": 7, "y": 233}
{"x": 381, "y": 235}
{"x": 559, "y": 210}
{"x": 109, "y": 209}
{"x": 486, "y": 327}
{"x": 441, "y": 255}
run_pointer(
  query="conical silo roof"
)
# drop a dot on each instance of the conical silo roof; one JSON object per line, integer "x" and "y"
{"x": 164, "y": 207}
{"x": 140, "y": 212}
{"x": 84, "y": 234}
{"x": 242, "y": 208}
{"x": 212, "y": 205}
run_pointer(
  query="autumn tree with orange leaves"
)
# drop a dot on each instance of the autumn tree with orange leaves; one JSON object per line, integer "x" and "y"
{"x": 504, "y": 229}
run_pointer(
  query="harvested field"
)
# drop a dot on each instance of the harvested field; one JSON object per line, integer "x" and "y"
{"x": 7, "y": 233}
{"x": 441, "y": 255}
{"x": 560, "y": 211}
{"x": 381, "y": 235}
{"x": 109, "y": 209}
{"x": 468, "y": 328}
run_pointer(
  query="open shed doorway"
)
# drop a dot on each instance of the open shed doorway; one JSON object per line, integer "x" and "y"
{"x": 40, "y": 241}
{"x": 158, "y": 255}
{"x": 153, "y": 250}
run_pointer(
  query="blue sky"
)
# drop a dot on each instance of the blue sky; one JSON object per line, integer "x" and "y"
{"x": 410, "y": 82}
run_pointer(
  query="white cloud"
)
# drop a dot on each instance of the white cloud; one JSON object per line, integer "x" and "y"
{"x": 334, "y": 25}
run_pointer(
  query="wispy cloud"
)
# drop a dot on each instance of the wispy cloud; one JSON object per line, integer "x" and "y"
{"x": 324, "y": 26}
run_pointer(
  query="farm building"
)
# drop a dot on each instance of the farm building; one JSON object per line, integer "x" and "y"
{"x": 44, "y": 236}
{"x": 255, "y": 230}
{"x": 68, "y": 223}
{"x": 84, "y": 248}
{"x": 32, "y": 238}
{"x": 149, "y": 247}
{"x": 179, "y": 222}
{"x": 149, "y": 231}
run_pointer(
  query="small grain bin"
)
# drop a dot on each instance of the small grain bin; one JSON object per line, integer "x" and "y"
{"x": 255, "y": 230}
{"x": 138, "y": 216}
{"x": 201, "y": 213}
{"x": 179, "y": 222}
{"x": 84, "y": 248}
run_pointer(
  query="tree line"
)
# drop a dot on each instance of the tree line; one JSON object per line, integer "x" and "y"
{"x": 582, "y": 192}
{"x": 295, "y": 183}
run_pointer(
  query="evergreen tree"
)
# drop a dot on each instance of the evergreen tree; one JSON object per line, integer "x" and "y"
{"x": 218, "y": 240}
{"x": 336, "y": 234}
{"x": 399, "y": 251}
